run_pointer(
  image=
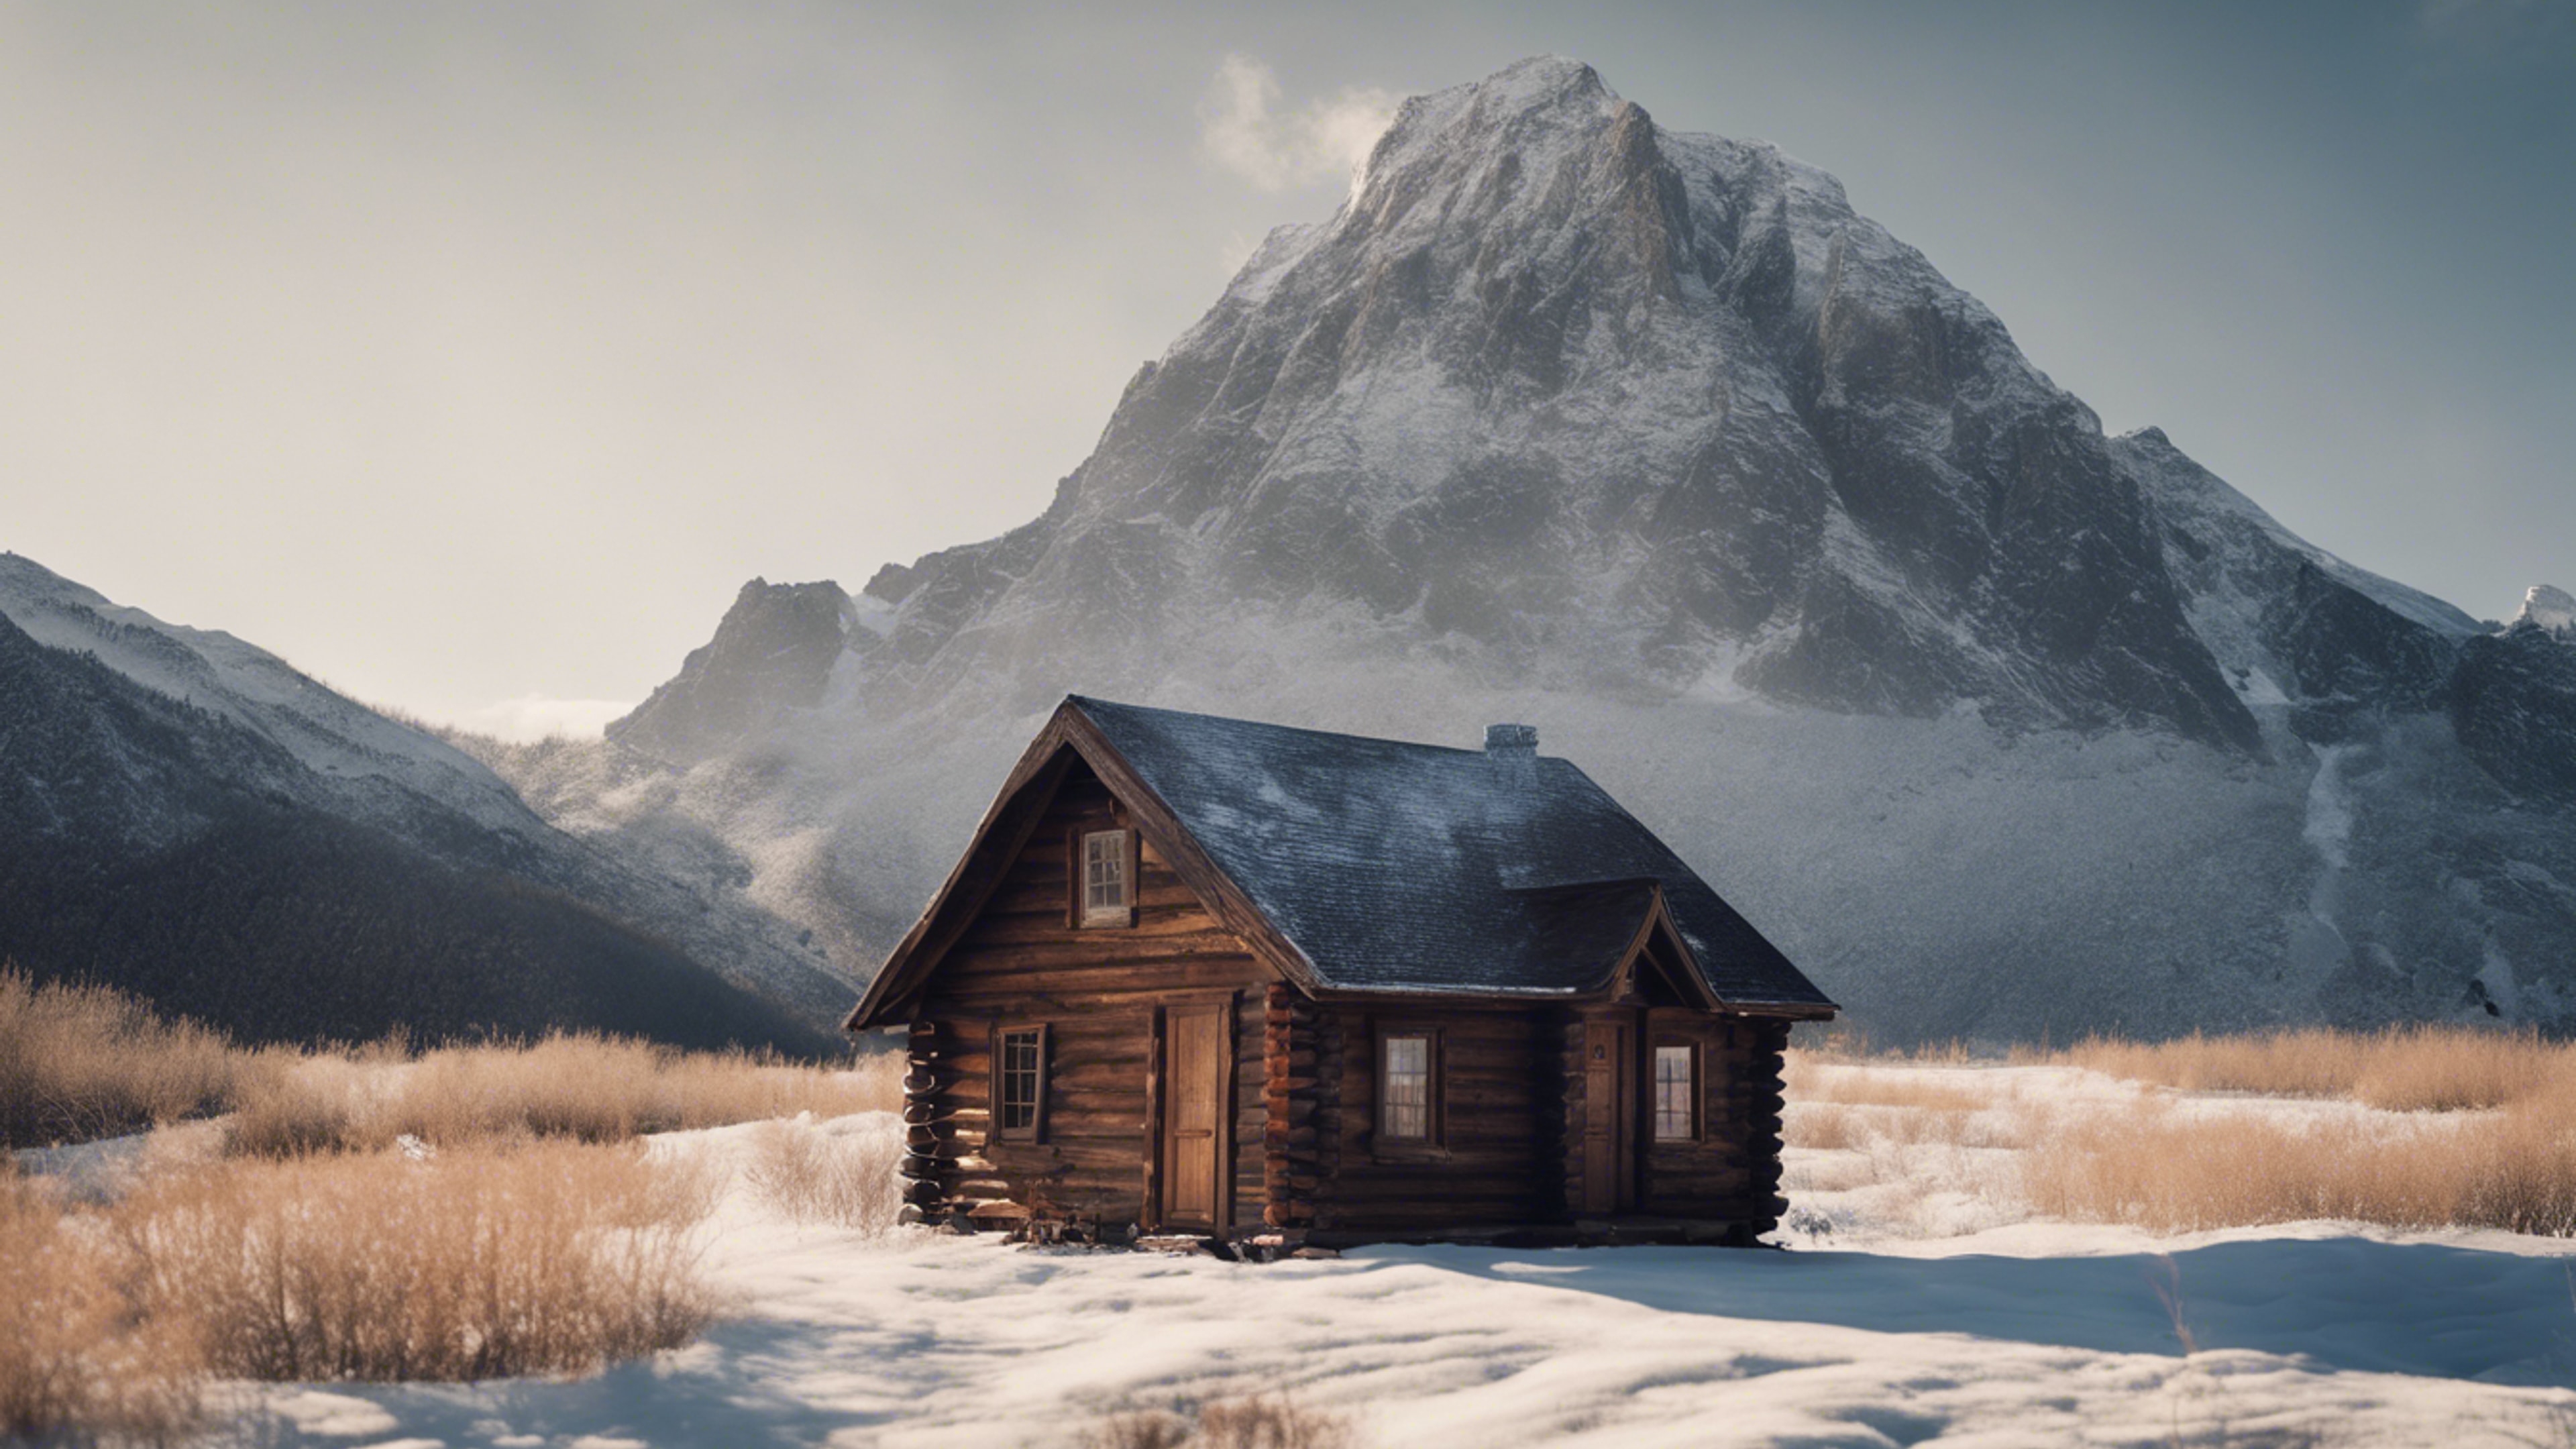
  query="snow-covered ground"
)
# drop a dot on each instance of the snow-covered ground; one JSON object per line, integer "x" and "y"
{"x": 1915, "y": 1303}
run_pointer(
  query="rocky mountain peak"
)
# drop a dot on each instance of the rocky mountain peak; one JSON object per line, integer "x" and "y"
{"x": 2549, "y": 609}
{"x": 1563, "y": 389}
{"x": 773, "y": 652}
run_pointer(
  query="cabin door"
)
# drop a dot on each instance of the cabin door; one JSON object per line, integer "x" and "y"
{"x": 1609, "y": 1116}
{"x": 1197, "y": 1068}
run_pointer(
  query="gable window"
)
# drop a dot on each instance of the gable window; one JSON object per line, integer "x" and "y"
{"x": 1404, "y": 1088}
{"x": 1108, "y": 886}
{"x": 1676, "y": 1097}
{"x": 1019, "y": 1082}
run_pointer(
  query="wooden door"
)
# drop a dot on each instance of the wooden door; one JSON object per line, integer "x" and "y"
{"x": 1197, "y": 1068}
{"x": 1609, "y": 1117}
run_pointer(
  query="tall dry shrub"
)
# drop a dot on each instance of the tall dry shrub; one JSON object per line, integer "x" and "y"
{"x": 79, "y": 1062}
{"x": 579, "y": 1085}
{"x": 1137, "y": 1429}
{"x": 846, "y": 1180}
{"x": 1271, "y": 1421}
{"x": 76, "y": 1365}
{"x": 288, "y": 1103}
{"x": 717, "y": 1089}
{"x": 552, "y": 1258}
{"x": 1258, "y": 1421}
{"x": 1824, "y": 1126}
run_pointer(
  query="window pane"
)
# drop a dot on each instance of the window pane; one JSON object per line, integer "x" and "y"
{"x": 1104, "y": 871}
{"x": 1018, "y": 1109}
{"x": 1404, "y": 1104}
{"x": 1672, "y": 1093}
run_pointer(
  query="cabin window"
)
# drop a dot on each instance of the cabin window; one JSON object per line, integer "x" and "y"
{"x": 1676, "y": 1094}
{"x": 1404, "y": 1088}
{"x": 1108, "y": 885}
{"x": 1019, "y": 1082}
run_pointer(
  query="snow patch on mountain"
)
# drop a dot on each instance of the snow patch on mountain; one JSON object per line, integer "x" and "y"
{"x": 2549, "y": 608}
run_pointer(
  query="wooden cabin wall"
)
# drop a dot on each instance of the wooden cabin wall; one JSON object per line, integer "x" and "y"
{"x": 1023, "y": 963}
{"x": 1496, "y": 1161}
{"x": 1732, "y": 1172}
{"x": 1251, "y": 1111}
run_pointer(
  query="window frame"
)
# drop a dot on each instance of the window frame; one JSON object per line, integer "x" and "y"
{"x": 1435, "y": 1108}
{"x": 1693, "y": 1094}
{"x": 1078, "y": 910}
{"x": 999, "y": 1063}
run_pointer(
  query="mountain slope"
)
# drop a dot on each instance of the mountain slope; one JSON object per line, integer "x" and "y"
{"x": 185, "y": 815}
{"x": 1998, "y": 724}
{"x": 1559, "y": 380}
{"x": 773, "y": 652}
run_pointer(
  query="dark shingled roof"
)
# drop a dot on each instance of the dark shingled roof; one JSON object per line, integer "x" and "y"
{"x": 1405, "y": 867}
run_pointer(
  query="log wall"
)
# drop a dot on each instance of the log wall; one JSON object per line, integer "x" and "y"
{"x": 1499, "y": 1088}
{"x": 1733, "y": 1171}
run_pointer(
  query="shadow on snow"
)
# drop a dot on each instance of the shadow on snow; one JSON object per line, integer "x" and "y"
{"x": 2334, "y": 1303}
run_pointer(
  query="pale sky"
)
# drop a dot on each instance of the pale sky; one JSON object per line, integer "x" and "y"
{"x": 472, "y": 356}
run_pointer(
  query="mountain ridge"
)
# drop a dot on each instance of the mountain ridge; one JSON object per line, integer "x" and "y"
{"x": 188, "y": 816}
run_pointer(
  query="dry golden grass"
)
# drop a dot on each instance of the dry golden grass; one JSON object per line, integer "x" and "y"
{"x": 1260, "y": 1421}
{"x": 1805, "y": 1080}
{"x": 519, "y": 1231}
{"x": 78, "y": 1062}
{"x": 1826, "y": 1126}
{"x": 2451, "y": 1128}
{"x": 585, "y": 1087}
{"x": 808, "y": 1176}
{"x": 2160, "y": 1170}
{"x": 1837, "y": 1105}
{"x": 2423, "y": 1068}
{"x": 552, "y": 1258}
{"x": 75, "y": 1364}
{"x": 2508, "y": 1160}
{"x": 476, "y": 1263}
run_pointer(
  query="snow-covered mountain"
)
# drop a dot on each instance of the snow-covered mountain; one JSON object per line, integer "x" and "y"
{"x": 186, "y": 814}
{"x": 1998, "y": 724}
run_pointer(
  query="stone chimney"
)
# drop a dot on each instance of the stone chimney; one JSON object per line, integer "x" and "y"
{"x": 1514, "y": 750}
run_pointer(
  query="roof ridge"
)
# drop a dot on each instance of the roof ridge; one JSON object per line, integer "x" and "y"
{"x": 1088, "y": 700}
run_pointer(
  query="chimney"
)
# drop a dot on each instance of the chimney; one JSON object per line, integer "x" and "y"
{"x": 1513, "y": 748}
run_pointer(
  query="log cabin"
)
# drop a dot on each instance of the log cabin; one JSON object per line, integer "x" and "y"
{"x": 1198, "y": 975}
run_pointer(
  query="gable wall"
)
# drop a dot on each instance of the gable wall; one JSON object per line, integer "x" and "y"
{"x": 1022, "y": 963}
